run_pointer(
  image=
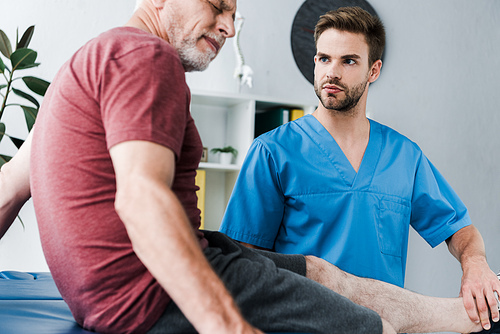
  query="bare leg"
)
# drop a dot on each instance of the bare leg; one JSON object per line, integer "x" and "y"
{"x": 406, "y": 311}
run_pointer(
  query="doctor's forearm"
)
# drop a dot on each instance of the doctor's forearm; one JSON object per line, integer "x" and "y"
{"x": 467, "y": 246}
{"x": 478, "y": 281}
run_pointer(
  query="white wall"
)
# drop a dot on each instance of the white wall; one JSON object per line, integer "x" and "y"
{"x": 438, "y": 86}
{"x": 265, "y": 43}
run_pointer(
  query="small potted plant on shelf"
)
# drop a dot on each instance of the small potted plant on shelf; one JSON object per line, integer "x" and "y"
{"x": 226, "y": 154}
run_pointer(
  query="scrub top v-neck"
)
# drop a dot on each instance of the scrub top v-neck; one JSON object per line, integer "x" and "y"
{"x": 339, "y": 160}
{"x": 297, "y": 193}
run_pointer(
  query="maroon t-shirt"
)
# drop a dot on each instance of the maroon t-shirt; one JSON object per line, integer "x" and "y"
{"x": 123, "y": 85}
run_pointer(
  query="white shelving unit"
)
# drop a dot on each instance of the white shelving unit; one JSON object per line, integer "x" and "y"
{"x": 222, "y": 120}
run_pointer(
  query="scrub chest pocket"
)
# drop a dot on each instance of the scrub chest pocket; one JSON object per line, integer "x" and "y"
{"x": 392, "y": 226}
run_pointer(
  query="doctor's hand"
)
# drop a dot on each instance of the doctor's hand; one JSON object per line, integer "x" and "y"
{"x": 478, "y": 286}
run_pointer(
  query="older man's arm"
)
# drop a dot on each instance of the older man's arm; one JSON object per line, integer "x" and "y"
{"x": 14, "y": 186}
{"x": 163, "y": 239}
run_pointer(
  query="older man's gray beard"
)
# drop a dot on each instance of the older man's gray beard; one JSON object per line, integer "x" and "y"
{"x": 193, "y": 59}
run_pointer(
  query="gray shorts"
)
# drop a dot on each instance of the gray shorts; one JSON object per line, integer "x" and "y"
{"x": 273, "y": 294}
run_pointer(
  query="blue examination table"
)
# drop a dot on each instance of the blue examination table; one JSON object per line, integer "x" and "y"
{"x": 31, "y": 303}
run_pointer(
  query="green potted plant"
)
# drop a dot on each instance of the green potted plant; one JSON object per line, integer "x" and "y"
{"x": 20, "y": 59}
{"x": 226, "y": 154}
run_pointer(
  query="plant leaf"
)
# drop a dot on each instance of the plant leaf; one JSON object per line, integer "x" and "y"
{"x": 2, "y": 130}
{"x": 18, "y": 142}
{"x": 30, "y": 115}
{"x": 21, "y": 221}
{"x": 2, "y": 66}
{"x": 28, "y": 66}
{"x": 4, "y": 159}
{"x": 26, "y": 39}
{"x": 5, "y": 46}
{"x": 22, "y": 58}
{"x": 26, "y": 96}
{"x": 36, "y": 85}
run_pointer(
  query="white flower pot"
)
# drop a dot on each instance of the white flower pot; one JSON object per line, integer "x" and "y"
{"x": 226, "y": 158}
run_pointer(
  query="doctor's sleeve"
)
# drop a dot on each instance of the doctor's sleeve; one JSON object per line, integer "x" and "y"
{"x": 437, "y": 211}
{"x": 255, "y": 209}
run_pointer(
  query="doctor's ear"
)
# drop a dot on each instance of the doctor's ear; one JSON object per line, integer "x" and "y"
{"x": 375, "y": 71}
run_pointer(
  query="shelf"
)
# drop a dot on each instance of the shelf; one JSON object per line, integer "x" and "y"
{"x": 219, "y": 167}
{"x": 225, "y": 119}
{"x": 231, "y": 99}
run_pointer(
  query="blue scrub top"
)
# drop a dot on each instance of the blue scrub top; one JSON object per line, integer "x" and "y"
{"x": 297, "y": 193}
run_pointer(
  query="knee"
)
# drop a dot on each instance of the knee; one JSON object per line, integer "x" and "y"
{"x": 328, "y": 275}
{"x": 314, "y": 267}
{"x": 320, "y": 271}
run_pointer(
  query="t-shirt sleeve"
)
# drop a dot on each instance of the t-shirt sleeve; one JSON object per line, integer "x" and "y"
{"x": 255, "y": 209}
{"x": 143, "y": 97}
{"x": 437, "y": 211}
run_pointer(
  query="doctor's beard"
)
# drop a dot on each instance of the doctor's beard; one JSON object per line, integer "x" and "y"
{"x": 332, "y": 102}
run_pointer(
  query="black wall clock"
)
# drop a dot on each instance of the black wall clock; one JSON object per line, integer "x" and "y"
{"x": 302, "y": 37}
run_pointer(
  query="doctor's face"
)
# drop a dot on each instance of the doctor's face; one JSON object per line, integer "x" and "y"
{"x": 197, "y": 29}
{"x": 341, "y": 73}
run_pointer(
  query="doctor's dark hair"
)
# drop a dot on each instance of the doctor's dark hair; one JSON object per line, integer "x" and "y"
{"x": 355, "y": 20}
